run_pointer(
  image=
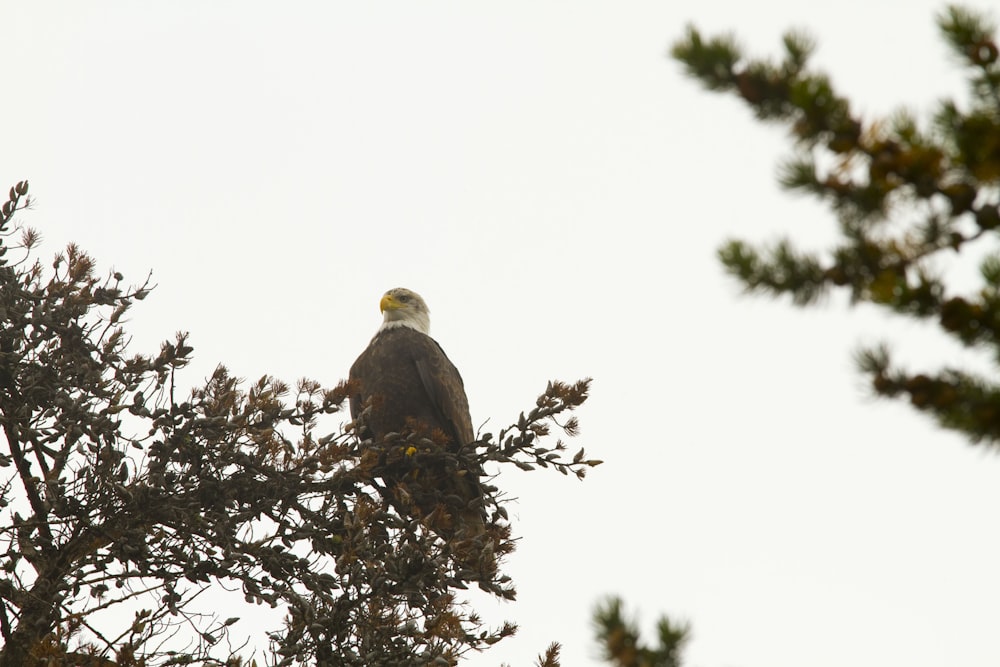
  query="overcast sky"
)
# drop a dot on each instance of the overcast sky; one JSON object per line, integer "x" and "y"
{"x": 543, "y": 174}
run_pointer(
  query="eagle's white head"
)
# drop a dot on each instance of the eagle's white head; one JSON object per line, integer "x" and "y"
{"x": 404, "y": 308}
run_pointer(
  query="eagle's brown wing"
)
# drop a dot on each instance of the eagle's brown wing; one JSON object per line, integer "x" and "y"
{"x": 408, "y": 383}
{"x": 405, "y": 375}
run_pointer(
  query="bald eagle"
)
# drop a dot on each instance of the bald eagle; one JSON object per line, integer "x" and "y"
{"x": 404, "y": 383}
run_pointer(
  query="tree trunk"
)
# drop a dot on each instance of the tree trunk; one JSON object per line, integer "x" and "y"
{"x": 36, "y": 621}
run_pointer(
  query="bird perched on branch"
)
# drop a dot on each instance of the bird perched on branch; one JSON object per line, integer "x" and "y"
{"x": 404, "y": 383}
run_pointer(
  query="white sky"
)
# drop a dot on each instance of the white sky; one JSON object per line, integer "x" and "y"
{"x": 545, "y": 176}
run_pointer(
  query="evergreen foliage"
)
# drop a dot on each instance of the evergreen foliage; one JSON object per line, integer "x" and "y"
{"x": 620, "y": 641}
{"x": 906, "y": 195}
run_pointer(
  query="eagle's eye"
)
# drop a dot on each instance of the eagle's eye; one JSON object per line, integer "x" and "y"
{"x": 404, "y": 298}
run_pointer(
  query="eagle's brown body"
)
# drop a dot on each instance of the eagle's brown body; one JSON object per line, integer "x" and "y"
{"x": 412, "y": 385}
{"x": 404, "y": 383}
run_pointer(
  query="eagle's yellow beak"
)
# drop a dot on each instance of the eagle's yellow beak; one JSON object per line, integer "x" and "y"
{"x": 389, "y": 303}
